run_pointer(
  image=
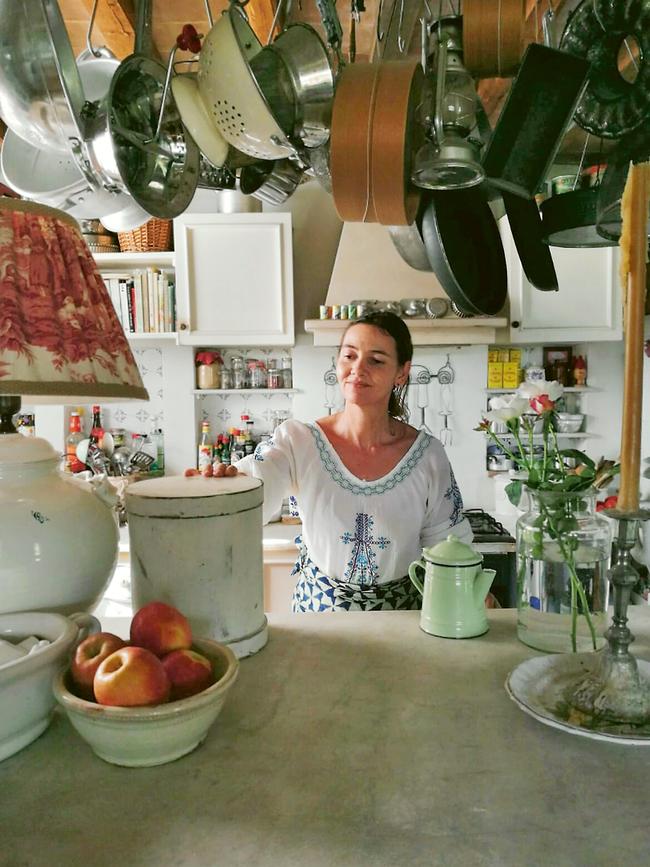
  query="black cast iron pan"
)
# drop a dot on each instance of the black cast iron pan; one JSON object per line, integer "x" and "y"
{"x": 465, "y": 250}
{"x": 534, "y": 255}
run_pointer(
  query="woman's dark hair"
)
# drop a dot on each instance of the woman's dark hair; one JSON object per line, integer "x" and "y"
{"x": 392, "y": 325}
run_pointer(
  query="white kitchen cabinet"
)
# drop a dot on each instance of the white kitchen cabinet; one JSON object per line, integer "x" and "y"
{"x": 234, "y": 279}
{"x": 587, "y": 306}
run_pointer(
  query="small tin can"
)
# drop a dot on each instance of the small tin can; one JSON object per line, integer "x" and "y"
{"x": 352, "y": 311}
{"x": 361, "y": 311}
{"x": 344, "y": 311}
{"x": 324, "y": 311}
{"x": 336, "y": 311}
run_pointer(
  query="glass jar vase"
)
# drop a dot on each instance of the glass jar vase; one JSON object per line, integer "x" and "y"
{"x": 563, "y": 554}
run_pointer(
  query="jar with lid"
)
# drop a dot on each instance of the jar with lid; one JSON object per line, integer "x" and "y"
{"x": 287, "y": 373}
{"x": 256, "y": 378}
{"x": 226, "y": 378}
{"x": 238, "y": 372}
{"x": 274, "y": 377}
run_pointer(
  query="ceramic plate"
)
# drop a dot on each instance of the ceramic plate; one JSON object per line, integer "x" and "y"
{"x": 538, "y": 686}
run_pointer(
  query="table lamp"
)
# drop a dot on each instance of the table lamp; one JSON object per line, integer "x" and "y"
{"x": 60, "y": 341}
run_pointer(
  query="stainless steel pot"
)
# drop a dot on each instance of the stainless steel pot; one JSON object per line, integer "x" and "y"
{"x": 271, "y": 182}
{"x": 41, "y": 97}
{"x": 308, "y": 65}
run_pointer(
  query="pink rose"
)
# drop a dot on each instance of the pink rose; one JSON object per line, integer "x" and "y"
{"x": 542, "y": 403}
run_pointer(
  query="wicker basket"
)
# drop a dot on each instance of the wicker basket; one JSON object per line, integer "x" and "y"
{"x": 152, "y": 237}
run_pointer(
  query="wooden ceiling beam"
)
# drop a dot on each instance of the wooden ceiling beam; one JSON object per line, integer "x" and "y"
{"x": 114, "y": 25}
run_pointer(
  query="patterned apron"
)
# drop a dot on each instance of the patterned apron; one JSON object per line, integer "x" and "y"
{"x": 315, "y": 591}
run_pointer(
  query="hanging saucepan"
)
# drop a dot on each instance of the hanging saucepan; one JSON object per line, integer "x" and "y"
{"x": 307, "y": 62}
{"x": 569, "y": 220}
{"x": 271, "y": 182}
{"x": 527, "y": 232}
{"x": 40, "y": 92}
{"x": 634, "y": 147}
{"x": 465, "y": 251}
{"x": 160, "y": 172}
{"x": 59, "y": 180}
{"x": 597, "y": 31}
{"x": 536, "y": 113}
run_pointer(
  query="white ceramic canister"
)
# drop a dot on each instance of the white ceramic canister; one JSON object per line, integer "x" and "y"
{"x": 58, "y": 535}
{"x": 196, "y": 544}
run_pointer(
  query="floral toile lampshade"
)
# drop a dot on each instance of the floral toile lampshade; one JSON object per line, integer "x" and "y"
{"x": 60, "y": 338}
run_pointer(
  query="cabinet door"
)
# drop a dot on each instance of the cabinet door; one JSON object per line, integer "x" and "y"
{"x": 586, "y": 307}
{"x": 234, "y": 279}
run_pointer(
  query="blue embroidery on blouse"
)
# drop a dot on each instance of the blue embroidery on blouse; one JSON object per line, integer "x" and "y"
{"x": 262, "y": 447}
{"x": 453, "y": 493}
{"x": 294, "y": 511}
{"x": 396, "y": 475}
{"x": 362, "y": 565}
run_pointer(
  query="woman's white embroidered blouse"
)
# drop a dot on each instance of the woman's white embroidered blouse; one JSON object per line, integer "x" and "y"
{"x": 357, "y": 531}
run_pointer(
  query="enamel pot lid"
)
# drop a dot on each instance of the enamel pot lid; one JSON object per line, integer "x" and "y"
{"x": 465, "y": 251}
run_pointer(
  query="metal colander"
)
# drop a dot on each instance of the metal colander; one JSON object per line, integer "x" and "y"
{"x": 231, "y": 92}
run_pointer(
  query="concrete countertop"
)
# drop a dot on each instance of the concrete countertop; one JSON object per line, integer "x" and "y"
{"x": 352, "y": 739}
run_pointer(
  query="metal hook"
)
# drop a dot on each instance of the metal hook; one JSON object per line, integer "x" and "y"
{"x": 379, "y": 32}
{"x": 208, "y": 12}
{"x": 170, "y": 66}
{"x": 582, "y": 159}
{"x": 89, "y": 44}
{"x": 278, "y": 8}
{"x": 401, "y": 43}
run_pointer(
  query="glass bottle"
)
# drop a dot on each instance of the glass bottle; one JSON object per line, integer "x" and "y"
{"x": 226, "y": 378}
{"x": 96, "y": 429}
{"x": 75, "y": 435}
{"x": 563, "y": 553}
{"x": 273, "y": 375}
{"x": 204, "y": 456}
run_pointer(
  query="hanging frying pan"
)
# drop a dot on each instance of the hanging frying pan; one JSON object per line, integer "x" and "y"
{"x": 569, "y": 220}
{"x": 538, "y": 110}
{"x": 464, "y": 247}
{"x": 526, "y": 227}
{"x": 408, "y": 242}
{"x": 611, "y": 106}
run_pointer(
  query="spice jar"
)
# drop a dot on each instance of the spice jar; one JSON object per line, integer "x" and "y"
{"x": 226, "y": 378}
{"x": 273, "y": 375}
{"x": 256, "y": 373}
{"x": 238, "y": 372}
{"x": 287, "y": 373}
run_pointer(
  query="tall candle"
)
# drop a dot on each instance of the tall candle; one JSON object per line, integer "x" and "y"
{"x": 633, "y": 273}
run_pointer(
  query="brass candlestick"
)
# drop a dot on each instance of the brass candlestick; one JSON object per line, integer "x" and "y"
{"x": 615, "y": 692}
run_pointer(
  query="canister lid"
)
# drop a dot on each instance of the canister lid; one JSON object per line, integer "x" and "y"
{"x": 452, "y": 552}
{"x": 193, "y": 497}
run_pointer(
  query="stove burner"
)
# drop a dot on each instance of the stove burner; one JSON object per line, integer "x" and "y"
{"x": 486, "y": 528}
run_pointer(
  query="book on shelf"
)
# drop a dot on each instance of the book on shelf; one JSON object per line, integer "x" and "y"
{"x": 144, "y": 299}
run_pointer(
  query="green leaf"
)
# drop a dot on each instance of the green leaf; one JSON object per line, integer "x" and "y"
{"x": 581, "y": 457}
{"x": 513, "y": 491}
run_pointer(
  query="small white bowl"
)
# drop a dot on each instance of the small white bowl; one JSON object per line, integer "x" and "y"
{"x": 567, "y": 422}
{"x": 146, "y": 736}
{"x": 26, "y": 683}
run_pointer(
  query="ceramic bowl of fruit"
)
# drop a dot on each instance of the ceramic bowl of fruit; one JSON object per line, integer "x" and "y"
{"x": 150, "y": 700}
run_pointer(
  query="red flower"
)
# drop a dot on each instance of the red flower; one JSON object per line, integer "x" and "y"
{"x": 542, "y": 403}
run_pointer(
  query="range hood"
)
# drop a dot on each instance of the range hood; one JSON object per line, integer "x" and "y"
{"x": 368, "y": 267}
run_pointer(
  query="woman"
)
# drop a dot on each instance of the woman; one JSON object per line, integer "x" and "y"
{"x": 372, "y": 491}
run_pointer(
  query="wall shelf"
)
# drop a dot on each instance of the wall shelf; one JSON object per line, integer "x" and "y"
{"x": 448, "y": 331}
{"x": 135, "y": 260}
{"x": 201, "y": 391}
{"x": 151, "y": 335}
{"x": 569, "y": 389}
{"x": 539, "y": 437}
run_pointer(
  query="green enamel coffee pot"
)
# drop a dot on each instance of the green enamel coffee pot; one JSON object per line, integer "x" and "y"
{"x": 454, "y": 590}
